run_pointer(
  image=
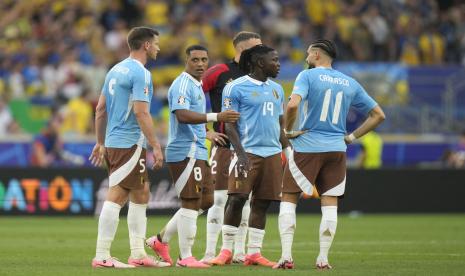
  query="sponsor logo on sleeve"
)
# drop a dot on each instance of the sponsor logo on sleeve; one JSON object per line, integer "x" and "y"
{"x": 227, "y": 102}
{"x": 181, "y": 100}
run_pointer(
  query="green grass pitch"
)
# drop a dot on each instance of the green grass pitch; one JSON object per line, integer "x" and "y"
{"x": 364, "y": 245}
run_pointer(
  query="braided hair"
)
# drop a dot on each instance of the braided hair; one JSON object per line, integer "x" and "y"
{"x": 327, "y": 46}
{"x": 250, "y": 57}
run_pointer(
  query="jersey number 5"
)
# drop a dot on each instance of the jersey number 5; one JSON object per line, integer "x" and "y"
{"x": 337, "y": 107}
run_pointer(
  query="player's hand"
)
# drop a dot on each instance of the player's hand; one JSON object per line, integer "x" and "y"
{"x": 243, "y": 165}
{"x": 294, "y": 133}
{"x": 217, "y": 138}
{"x": 97, "y": 155}
{"x": 228, "y": 116}
{"x": 157, "y": 157}
{"x": 347, "y": 140}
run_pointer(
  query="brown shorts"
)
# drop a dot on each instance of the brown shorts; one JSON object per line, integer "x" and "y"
{"x": 326, "y": 171}
{"x": 263, "y": 179}
{"x": 220, "y": 160}
{"x": 126, "y": 167}
{"x": 192, "y": 179}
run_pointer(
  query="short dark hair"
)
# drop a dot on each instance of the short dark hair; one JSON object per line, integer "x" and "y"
{"x": 138, "y": 35}
{"x": 327, "y": 46}
{"x": 195, "y": 47}
{"x": 244, "y": 36}
{"x": 250, "y": 57}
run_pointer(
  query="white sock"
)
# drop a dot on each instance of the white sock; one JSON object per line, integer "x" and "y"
{"x": 229, "y": 233}
{"x": 255, "y": 240}
{"x": 107, "y": 225}
{"x": 137, "y": 226}
{"x": 239, "y": 241}
{"x": 171, "y": 228}
{"x": 215, "y": 220}
{"x": 287, "y": 225}
{"x": 327, "y": 230}
{"x": 187, "y": 228}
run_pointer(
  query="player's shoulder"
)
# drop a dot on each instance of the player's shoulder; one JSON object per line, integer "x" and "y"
{"x": 235, "y": 83}
{"x": 274, "y": 83}
{"x": 217, "y": 69}
{"x": 181, "y": 83}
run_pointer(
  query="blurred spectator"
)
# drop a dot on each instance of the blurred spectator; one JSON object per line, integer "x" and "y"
{"x": 371, "y": 151}
{"x": 78, "y": 115}
{"x": 455, "y": 157}
{"x": 432, "y": 46}
{"x": 56, "y": 48}
{"x": 7, "y": 123}
{"x": 47, "y": 147}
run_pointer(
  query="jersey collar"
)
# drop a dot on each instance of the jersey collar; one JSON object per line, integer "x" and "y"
{"x": 257, "y": 82}
{"x": 196, "y": 82}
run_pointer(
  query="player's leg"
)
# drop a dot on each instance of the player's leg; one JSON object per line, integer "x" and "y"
{"x": 117, "y": 160}
{"x": 215, "y": 218}
{"x": 267, "y": 188}
{"x": 107, "y": 226}
{"x": 221, "y": 158}
{"x": 327, "y": 230}
{"x": 137, "y": 226}
{"x": 191, "y": 202}
{"x": 239, "y": 188}
{"x": 239, "y": 241}
{"x": 331, "y": 185}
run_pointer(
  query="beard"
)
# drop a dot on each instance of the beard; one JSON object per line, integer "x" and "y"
{"x": 311, "y": 66}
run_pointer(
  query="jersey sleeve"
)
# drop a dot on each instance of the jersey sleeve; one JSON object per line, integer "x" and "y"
{"x": 230, "y": 98}
{"x": 180, "y": 97}
{"x": 362, "y": 101}
{"x": 281, "y": 98}
{"x": 210, "y": 78}
{"x": 301, "y": 85}
{"x": 140, "y": 85}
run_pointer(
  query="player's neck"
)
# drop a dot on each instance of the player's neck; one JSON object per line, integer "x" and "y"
{"x": 258, "y": 76}
{"x": 324, "y": 65}
{"x": 141, "y": 57}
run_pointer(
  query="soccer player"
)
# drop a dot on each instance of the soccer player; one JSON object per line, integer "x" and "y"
{"x": 123, "y": 127}
{"x": 258, "y": 140}
{"x": 186, "y": 155}
{"x": 318, "y": 160}
{"x": 214, "y": 80}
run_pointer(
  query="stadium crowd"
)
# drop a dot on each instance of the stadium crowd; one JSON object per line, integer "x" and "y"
{"x": 60, "y": 50}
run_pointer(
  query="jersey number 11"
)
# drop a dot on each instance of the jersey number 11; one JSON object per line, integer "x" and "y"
{"x": 337, "y": 107}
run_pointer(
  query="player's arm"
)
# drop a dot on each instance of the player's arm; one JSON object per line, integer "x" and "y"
{"x": 143, "y": 117}
{"x": 191, "y": 117}
{"x": 375, "y": 117}
{"x": 96, "y": 156}
{"x": 290, "y": 117}
{"x": 242, "y": 159}
{"x": 283, "y": 139}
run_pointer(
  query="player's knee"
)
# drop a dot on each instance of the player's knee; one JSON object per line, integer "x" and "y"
{"x": 236, "y": 202}
{"x": 207, "y": 202}
{"x": 220, "y": 198}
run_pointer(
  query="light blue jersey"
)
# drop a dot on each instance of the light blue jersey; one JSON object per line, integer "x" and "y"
{"x": 126, "y": 82}
{"x": 327, "y": 95}
{"x": 186, "y": 140}
{"x": 260, "y": 105}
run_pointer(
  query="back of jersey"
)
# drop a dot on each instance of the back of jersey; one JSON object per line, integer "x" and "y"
{"x": 327, "y": 95}
{"x": 126, "y": 82}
